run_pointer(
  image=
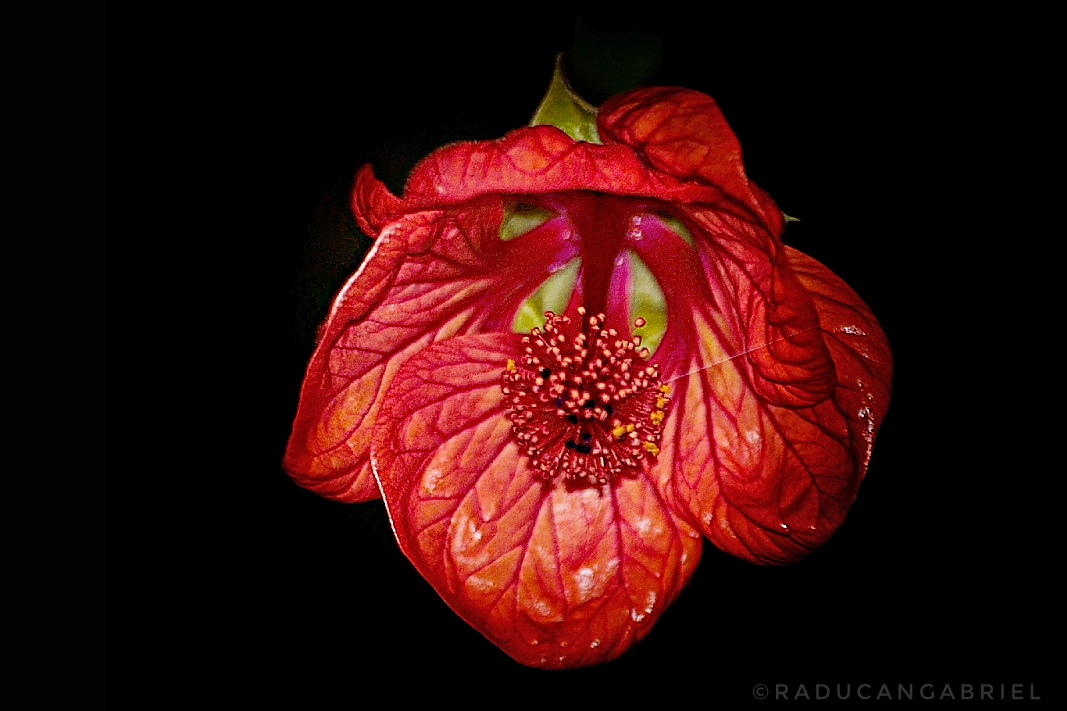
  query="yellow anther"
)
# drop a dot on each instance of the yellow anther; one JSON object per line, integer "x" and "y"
{"x": 619, "y": 432}
{"x": 651, "y": 448}
{"x": 661, "y": 402}
{"x": 665, "y": 389}
{"x": 657, "y": 417}
{"x": 511, "y": 365}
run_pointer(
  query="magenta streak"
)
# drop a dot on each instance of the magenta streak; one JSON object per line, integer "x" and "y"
{"x": 601, "y": 223}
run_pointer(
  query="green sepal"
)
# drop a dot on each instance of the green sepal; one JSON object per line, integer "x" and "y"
{"x": 564, "y": 109}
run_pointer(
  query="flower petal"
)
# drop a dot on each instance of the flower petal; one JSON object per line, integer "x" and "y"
{"x": 859, "y": 348}
{"x": 740, "y": 282}
{"x": 683, "y": 133}
{"x": 757, "y": 292}
{"x": 372, "y": 203}
{"x": 767, "y": 481}
{"x": 538, "y": 160}
{"x": 429, "y": 276}
{"x": 556, "y": 577}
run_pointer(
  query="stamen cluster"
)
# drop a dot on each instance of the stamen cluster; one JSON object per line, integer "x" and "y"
{"x": 585, "y": 404}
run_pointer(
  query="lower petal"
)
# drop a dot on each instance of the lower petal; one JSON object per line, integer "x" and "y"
{"x": 557, "y": 576}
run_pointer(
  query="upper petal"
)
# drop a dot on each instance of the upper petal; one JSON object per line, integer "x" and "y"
{"x": 683, "y": 133}
{"x": 556, "y": 577}
{"x": 543, "y": 159}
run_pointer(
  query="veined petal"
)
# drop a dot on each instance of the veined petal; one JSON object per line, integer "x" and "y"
{"x": 326, "y": 453}
{"x": 738, "y": 281}
{"x": 766, "y": 481}
{"x": 539, "y": 160}
{"x": 430, "y": 275}
{"x": 759, "y": 299}
{"x": 683, "y": 133}
{"x": 372, "y": 204}
{"x": 860, "y": 350}
{"x": 555, "y": 576}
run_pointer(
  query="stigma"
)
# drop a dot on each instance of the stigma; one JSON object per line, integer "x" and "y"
{"x": 585, "y": 404}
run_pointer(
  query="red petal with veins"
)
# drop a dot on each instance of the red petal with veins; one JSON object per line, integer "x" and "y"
{"x": 430, "y": 275}
{"x": 372, "y": 203}
{"x": 859, "y": 349}
{"x": 768, "y": 310}
{"x": 738, "y": 277}
{"x": 770, "y": 482}
{"x": 556, "y": 578}
{"x": 683, "y": 133}
{"x": 538, "y": 160}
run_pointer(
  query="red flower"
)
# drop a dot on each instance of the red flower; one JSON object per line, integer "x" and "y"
{"x": 553, "y": 475}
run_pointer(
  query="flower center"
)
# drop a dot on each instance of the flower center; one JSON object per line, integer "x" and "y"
{"x": 584, "y": 403}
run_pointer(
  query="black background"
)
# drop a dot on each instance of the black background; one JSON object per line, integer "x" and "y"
{"x": 882, "y": 140}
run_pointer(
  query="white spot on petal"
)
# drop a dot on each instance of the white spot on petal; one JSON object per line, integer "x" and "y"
{"x": 430, "y": 480}
{"x": 585, "y": 580}
{"x": 482, "y": 585}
